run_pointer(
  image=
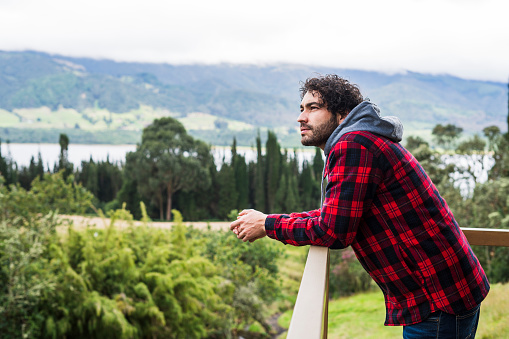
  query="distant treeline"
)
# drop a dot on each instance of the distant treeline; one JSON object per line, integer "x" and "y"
{"x": 78, "y": 136}
{"x": 164, "y": 174}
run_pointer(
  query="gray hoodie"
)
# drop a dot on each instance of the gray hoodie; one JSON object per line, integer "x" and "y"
{"x": 366, "y": 117}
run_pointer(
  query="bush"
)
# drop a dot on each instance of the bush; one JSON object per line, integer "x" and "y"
{"x": 347, "y": 276}
{"x": 138, "y": 282}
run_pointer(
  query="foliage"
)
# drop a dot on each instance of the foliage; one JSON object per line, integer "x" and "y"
{"x": 413, "y": 143}
{"x": 168, "y": 160}
{"x": 447, "y": 135}
{"x": 53, "y": 193}
{"x": 252, "y": 268}
{"x": 103, "y": 179}
{"x": 139, "y": 282}
{"x": 347, "y": 276}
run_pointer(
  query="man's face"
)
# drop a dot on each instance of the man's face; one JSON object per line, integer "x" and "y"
{"x": 316, "y": 122}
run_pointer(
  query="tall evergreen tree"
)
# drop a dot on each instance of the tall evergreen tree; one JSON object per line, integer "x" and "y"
{"x": 273, "y": 170}
{"x": 3, "y": 162}
{"x": 306, "y": 187}
{"x": 227, "y": 195}
{"x": 259, "y": 182}
{"x": 63, "y": 159}
{"x": 8, "y": 168}
{"x": 318, "y": 164}
{"x": 241, "y": 177}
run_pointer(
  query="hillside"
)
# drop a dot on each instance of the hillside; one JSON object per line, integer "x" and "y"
{"x": 42, "y": 95}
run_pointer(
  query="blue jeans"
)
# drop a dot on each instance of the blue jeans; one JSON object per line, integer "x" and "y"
{"x": 443, "y": 325}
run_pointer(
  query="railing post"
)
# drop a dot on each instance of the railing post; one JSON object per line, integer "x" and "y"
{"x": 309, "y": 319}
{"x": 326, "y": 301}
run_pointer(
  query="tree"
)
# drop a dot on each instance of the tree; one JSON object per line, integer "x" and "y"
{"x": 446, "y": 135}
{"x": 63, "y": 158}
{"x": 241, "y": 178}
{"x": 168, "y": 160}
{"x": 412, "y": 143}
{"x": 493, "y": 134}
{"x": 273, "y": 170}
{"x": 258, "y": 185}
{"x": 227, "y": 195}
{"x": 8, "y": 168}
{"x": 318, "y": 164}
{"x": 474, "y": 161}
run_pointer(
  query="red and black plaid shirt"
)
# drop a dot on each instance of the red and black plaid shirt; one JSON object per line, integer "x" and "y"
{"x": 380, "y": 201}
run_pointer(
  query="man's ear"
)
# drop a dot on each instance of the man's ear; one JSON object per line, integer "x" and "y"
{"x": 341, "y": 119}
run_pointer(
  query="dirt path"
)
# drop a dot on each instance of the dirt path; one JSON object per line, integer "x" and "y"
{"x": 83, "y": 222}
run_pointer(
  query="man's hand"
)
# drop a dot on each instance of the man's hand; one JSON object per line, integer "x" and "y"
{"x": 249, "y": 226}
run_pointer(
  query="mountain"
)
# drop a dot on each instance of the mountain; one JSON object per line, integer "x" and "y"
{"x": 86, "y": 97}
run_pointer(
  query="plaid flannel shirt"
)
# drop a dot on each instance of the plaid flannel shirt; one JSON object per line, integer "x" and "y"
{"x": 380, "y": 201}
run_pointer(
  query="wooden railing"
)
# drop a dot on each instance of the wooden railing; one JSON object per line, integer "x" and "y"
{"x": 310, "y": 314}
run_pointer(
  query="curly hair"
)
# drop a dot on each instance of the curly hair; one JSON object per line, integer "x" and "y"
{"x": 338, "y": 95}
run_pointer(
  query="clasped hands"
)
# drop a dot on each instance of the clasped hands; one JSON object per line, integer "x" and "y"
{"x": 250, "y": 225}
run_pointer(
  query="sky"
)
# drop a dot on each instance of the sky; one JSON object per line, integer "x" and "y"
{"x": 464, "y": 38}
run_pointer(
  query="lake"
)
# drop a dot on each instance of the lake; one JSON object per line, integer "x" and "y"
{"x": 22, "y": 153}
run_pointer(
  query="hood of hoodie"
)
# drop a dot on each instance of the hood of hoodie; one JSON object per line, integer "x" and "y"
{"x": 366, "y": 117}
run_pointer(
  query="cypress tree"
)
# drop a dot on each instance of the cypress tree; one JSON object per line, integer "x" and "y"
{"x": 227, "y": 195}
{"x": 3, "y": 163}
{"x": 292, "y": 195}
{"x": 318, "y": 164}
{"x": 273, "y": 170}
{"x": 259, "y": 182}
{"x": 280, "y": 196}
{"x": 306, "y": 183}
{"x": 63, "y": 159}
{"x": 241, "y": 178}
{"x": 40, "y": 166}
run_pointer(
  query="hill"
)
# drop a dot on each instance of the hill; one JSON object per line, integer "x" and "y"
{"x": 46, "y": 94}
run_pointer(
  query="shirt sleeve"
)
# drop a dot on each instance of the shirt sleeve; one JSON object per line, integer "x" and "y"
{"x": 352, "y": 183}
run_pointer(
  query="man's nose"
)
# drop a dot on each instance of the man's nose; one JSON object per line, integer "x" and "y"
{"x": 303, "y": 117}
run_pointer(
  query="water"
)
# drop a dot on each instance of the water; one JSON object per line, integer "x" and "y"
{"x": 22, "y": 153}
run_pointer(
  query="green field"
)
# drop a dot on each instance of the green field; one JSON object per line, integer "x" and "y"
{"x": 92, "y": 126}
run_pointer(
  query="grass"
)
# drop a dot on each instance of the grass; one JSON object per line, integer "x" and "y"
{"x": 494, "y": 322}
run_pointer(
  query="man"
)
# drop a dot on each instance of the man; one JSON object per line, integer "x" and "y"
{"x": 380, "y": 201}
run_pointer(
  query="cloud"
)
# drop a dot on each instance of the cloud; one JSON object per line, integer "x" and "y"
{"x": 464, "y": 38}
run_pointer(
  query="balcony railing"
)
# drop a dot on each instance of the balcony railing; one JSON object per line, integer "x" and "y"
{"x": 310, "y": 313}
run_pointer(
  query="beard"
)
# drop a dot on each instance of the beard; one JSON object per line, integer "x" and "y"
{"x": 320, "y": 134}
